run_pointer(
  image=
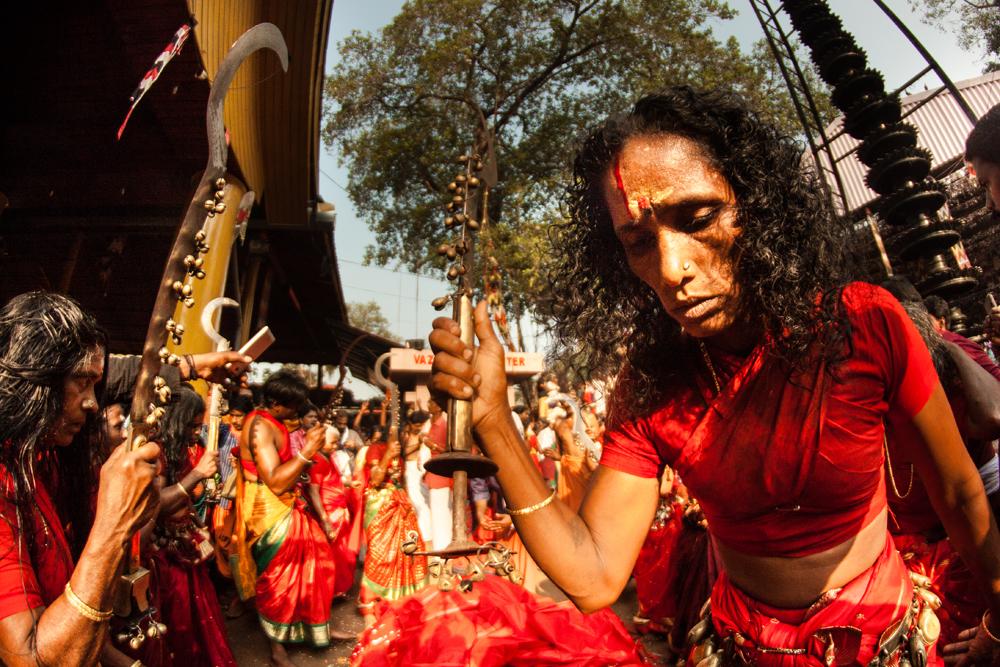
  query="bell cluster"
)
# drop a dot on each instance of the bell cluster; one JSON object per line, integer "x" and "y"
{"x": 194, "y": 264}
{"x": 459, "y": 219}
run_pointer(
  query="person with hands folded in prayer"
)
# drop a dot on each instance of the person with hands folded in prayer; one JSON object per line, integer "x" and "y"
{"x": 701, "y": 262}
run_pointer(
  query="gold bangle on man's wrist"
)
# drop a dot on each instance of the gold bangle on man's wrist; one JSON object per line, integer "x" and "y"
{"x": 986, "y": 628}
{"x": 532, "y": 508}
{"x": 84, "y": 609}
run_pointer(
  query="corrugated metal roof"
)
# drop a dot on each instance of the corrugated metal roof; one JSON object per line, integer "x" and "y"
{"x": 941, "y": 126}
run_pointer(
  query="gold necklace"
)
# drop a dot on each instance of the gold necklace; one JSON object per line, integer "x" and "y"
{"x": 892, "y": 478}
{"x": 711, "y": 366}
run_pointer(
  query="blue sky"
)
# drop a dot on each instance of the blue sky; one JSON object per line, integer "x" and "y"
{"x": 405, "y": 298}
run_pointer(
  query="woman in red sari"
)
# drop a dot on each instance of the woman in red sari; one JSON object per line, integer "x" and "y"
{"x": 181, "y": 547}
{"x": 329, "y": 500}
{"x": 701, "y": 253}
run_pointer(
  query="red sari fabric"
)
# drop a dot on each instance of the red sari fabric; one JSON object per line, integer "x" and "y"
{"x": 654, "y": 576}
{"x": 28, "y": 582}
{"x": 496, "y": 624}
{"x": 786, "y": 463}
{"x": 185, "y": 595}
{"x": 187, "y": 602}
{"x": 294, "y": 562}
{"x": 325, "y": 476}
{"x": 862, "y": 609}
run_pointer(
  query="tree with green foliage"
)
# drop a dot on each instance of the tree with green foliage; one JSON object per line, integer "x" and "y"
{"x": 977, "y": 23}
{"x": 525, "y": 79}
{"x": 368, "y": 317}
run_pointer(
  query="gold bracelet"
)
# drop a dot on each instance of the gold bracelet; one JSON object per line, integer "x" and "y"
{"x": 986, "y": 629}
{"x": 183, "y": 490}
{"x": 533, "y": 508}
{"x": 308, "y": 462}
{"x": 137, "y": 663}
{"x": 84, "y": 609}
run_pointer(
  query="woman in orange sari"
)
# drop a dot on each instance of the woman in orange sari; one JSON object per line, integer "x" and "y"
{"x": 389, "y": 521}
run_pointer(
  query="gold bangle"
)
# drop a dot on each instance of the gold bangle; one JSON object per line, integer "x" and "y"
{"x": 986, "y": 629}
{"x": 137, "y": 663}
{"x": 183, "y": 490}
{"x": 533, "y": 508}
{"x": 84, "y": 609}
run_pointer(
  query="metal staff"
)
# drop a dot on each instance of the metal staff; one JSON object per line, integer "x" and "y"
{"x": 215, "y": 394}
{"x": 183, "y": 265}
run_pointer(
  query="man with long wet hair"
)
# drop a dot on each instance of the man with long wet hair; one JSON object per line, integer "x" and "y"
{"x": 701, "y": 264}
{"x": 52, "y": 361}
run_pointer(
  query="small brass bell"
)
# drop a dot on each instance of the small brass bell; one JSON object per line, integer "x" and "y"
{"x": 451, "y": 252}
{"x": 461, "y": 218}
{"x": 220, "y": 207}
{"x": 161, "y": 628}
{"x": 178, "y": 286}
{"x": 473, "y": 182}
{"x": 220, "y": 183}
{"x": 461, "y": 269}
{"x": 200, "y": 236}
{"x": 472, "y": 224}
{"x": 449, "y": 221}
{"x": 209, "y": 205}
{"x": 159, "y": 382}
{"x": 152, "y": 631}
{"x": 452, "y": 272}
{"x": 409, "y": 548}
{"x": 173, "y": 360}
{"x": 714, "y": 660}
{"x": 703, "y": 650}
{"x": 462, "y": 159}
{"x": 932, "y": 600}
{"x": 137, "y": 641}
{"x": 699, "y": 631}
{"x": 929, "y": 626}
{"x": 460, "y": 178}
{"x": 220, "y": 195}
{"x": 452, "y": 186}
{"x": 440, "y": 302}
{"x": 457, "y": 199}
{"x": 164, "y": 354}
{"x": 444, "y": 583}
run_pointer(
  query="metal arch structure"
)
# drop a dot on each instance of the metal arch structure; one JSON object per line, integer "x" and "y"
{"x": 782, "y": 47}
{"x": 910, "y": 198}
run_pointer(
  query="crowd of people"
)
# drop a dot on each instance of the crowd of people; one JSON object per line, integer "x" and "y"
{"x": 794, "y": 467}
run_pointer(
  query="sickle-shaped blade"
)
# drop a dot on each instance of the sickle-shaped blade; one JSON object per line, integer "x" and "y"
{"x": 208, "y": 317}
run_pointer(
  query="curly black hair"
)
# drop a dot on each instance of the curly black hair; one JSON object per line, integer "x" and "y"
{"x": 787, "y": 258}
{"x": 984, "y": 140}
{"x": 175, "y": 433}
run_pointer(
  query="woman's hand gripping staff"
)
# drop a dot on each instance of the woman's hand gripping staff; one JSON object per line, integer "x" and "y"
{"x": 588, "y": 555}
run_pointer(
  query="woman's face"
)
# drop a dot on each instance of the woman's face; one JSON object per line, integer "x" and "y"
{"x": 309, "y": 420}
{"x": 675, "y": 216}
{"x": 194, "y": 430}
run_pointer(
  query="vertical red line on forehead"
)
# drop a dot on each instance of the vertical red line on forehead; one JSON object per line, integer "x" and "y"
{"x": 620, "y": 184}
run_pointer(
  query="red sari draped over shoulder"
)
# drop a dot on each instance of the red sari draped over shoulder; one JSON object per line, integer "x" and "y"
{"x": 389, "y": 517}
{"x": 788, "y": 463}
{"x": 35, "y": 579}
{"x": 325, "y": 476}
{"x": 283, "y": 549}
{"x": 179, "y": 559}
{"x": 496, "y": 624}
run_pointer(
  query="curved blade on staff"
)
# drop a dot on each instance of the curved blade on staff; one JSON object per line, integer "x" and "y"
{"x": 215, "y": 394}
{"x": 151, "y": 392}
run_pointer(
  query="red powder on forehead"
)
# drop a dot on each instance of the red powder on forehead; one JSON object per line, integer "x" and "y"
{"x": 620, "y": 184}
{"x": 644, "y": 203}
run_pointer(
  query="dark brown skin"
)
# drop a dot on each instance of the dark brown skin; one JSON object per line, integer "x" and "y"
{"x": 126, "y": 500}
{"x": 679, "y": 244}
